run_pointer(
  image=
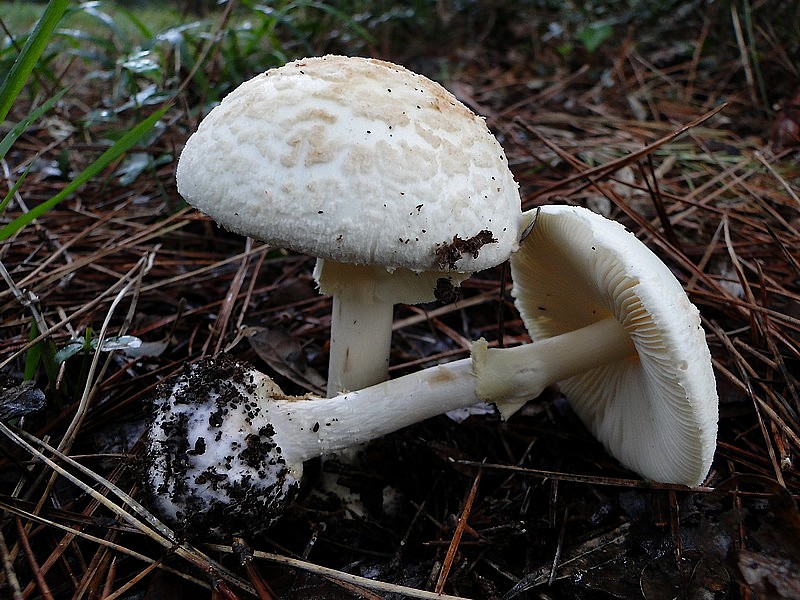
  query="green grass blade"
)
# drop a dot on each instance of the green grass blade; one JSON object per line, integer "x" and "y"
{"x": 341, "y": 16}
{"x": 9, "y": 139}
{"x": 33, "y": 356}
{"x": 29, "y": 56}
{"x": 143, "y": 30}
{"x": 14, "y": 189}
{"x": 42, "y": 353}
{"x": 114, "y": 152}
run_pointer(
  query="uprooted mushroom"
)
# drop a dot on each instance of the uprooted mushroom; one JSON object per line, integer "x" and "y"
{"x": 613, "y": 326}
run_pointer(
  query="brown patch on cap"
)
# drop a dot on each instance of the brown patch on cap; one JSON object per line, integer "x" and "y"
{"x": 448, "y": 253}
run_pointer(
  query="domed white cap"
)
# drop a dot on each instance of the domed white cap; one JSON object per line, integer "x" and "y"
{"x": 355, "y": 160}
{"x": 655, "y": 412}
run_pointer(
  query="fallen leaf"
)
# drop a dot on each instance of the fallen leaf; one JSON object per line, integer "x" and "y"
{"x": 285, "y": 355}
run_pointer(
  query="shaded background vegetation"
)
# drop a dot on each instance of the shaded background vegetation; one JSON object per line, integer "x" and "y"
{"x": 565, "y": 87}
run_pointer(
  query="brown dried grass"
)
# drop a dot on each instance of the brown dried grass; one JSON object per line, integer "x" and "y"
{"x": 719, "y": 206}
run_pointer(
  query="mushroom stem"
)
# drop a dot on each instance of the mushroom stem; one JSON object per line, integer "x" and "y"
{"x": 361, "y": 321}
{"x": 322, "y": 426}
{"x": 509, "y": 377}
{"x": 361, "y": 329}
{"x": 361, "y": 325}
{"x": 225, "y": 440}
{"x": 506, "y": 376}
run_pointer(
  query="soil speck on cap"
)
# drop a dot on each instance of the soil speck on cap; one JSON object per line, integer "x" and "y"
{"x": 449, "y": 253}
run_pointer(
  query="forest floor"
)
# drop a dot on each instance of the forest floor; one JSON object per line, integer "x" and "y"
{"x": 531, "y": 507}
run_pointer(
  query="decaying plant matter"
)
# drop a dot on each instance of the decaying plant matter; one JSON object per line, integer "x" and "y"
{"x": 137, "y": 285}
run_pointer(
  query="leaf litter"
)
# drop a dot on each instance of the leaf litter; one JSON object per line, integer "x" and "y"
{"x": 480, "y": 509}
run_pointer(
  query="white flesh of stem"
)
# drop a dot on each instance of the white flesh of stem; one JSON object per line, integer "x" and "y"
{"x": 314, "y": 427}
{"x": 361, "y": 334}
{"x": 498, "y": 375}
{"x": 510, "y": 377}
{"x": 361, "y": 321}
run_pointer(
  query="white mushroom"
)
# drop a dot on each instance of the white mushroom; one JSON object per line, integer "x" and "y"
{"x": 613, "y": 326}
{"x": 610, "y": 323}
{"x": 382, "y": 174}
{"x": 226, "y": 447}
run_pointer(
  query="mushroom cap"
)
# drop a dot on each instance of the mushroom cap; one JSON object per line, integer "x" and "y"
{"x": 214, "y": 464}
{"x": 355, "y": 160}
{"x": 655, "y": 412}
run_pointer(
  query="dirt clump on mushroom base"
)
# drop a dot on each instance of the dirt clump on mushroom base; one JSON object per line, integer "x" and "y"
{"x": 192, "y": 448}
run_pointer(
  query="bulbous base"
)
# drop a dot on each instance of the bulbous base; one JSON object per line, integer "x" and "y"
{"x": 213, "y": 468}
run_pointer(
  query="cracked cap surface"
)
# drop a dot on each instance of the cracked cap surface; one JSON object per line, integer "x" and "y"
{"x": 355, "y": 160}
